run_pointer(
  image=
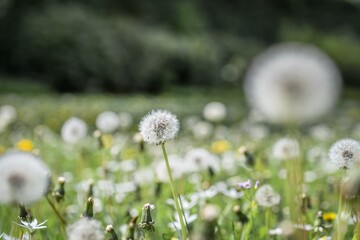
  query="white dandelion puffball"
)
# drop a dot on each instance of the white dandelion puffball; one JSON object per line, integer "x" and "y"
{"x": 344, "y": 153}
{"x": 125, "y": 120}
{"x": 159, "y": 126}
{"x": 73, "y": 130}
{"x": 7, "y": 116}
{"x": 201, "y": 159}
{"x": 24, "y": 178}
{"x": 265, "y": 196}
{"x": 286, "y": 148}
{"x": 85, "y": 229}
{"x": 107, "y": 122}
{"x": 214, "y": 112}
{"x": 292, "y": 83}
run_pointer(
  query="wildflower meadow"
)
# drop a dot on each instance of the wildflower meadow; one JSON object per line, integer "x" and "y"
{"x": 277, "y": 157}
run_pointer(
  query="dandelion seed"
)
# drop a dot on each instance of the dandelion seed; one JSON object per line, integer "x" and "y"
{"x": 107, "y": 122}
{"x": 292, "y": 83}
{"x": 73, "y": 130}
{"x": 24, "y": 178}
{"x": 265, "y": 196}
{"x": 159, "y": 126}
{"x": 344, "y": 153}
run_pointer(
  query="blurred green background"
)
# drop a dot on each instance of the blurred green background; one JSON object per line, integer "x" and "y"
{"x": 151, "y": 46}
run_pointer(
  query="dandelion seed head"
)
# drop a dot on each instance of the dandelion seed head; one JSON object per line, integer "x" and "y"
{"x": 159, "y": 126}
{"x": 292, "y": 83}
{"x": 24, "y": 177}
{"x": 73, "y": 130}
{"x": 210, "y": 213}
{"x": 344, "y": 153}
{"x": 214, "y": 112}
{"x": 286, "y": 149}
{"x": 85, "y": 229}
{"x": 107, "y": 122}
{"x": 265, "y": 196}
{"x": 201, "y": 159}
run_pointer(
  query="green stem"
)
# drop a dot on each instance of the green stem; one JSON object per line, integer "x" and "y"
{"x": 61, "y": 218}
{"x": 339, "y": 214}
{"x": 267, "y": 219}
{"x": 175, "y": 195}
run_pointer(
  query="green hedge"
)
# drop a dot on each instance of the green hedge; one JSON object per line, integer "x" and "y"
{"x": 75, "y": 49}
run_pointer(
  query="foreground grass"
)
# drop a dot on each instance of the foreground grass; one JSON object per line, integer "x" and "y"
{"x": 118, "y": 191}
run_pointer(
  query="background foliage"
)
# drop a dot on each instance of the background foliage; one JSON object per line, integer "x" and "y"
{"x": 124, "y": 46}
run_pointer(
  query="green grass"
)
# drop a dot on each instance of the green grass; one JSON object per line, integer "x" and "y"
{"x": 87, "y": 160}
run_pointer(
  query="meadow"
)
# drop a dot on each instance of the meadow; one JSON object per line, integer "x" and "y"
{"x": 122, "y": 174}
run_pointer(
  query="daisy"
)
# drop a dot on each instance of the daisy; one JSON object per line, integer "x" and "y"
{"x": 24, "y": 178}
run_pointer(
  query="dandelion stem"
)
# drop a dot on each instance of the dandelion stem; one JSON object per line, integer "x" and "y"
{"x": 339, "y": 223}
{"x": 175, "y": 195}
{"x": 61, "y": 218}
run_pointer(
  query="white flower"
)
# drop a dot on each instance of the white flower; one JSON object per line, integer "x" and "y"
{"x": 33, "y": 226}
{"x": 266, "y": 196}
{"x": 176, "y": 225}
{"x": 4, "y": 236}
{"x": 73, "y": 130}
{"x": 107, "y": 121}
{"x": 344, "y": 153}
{"x": 214, "y": 111}
{"x": 292, "y": 83}
{"x": 125, "y": 120}
{"x": 24, "y": 178}
{"x": 159, "y": 126}
{"x": 85, "y": 229}
{"x": 286, "y": 148}
{"x": 200, "y": 159}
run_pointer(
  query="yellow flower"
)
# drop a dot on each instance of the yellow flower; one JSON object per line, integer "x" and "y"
{"x": 220, "y": 146}
{"x": 2, "y": 149}
{"x": 330, "y": 216}
{"x": 25, "y": 145}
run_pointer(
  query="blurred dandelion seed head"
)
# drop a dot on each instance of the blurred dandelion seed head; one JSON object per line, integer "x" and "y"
{"x": 265, "y": 196}
{"x": 292, "y": 84}
{"x": 344, "y": 153}
{"x": 24, "y": 177}
{"x": 286, "y": 149}
{"x": 107, "y": 122}
{"x": 85, "y": 229}
{"x": 214, "y": 112}
{"x": 159, "y": 126}
{"x": 73, "y": 130}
